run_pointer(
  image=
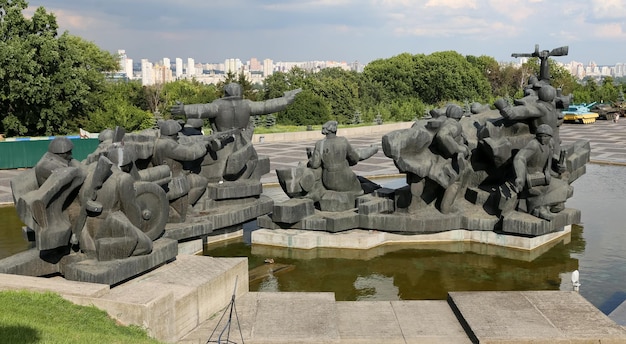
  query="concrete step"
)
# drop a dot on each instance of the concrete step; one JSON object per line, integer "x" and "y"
{"x": 536, "y": 317}
{"x": 267, "y": 317}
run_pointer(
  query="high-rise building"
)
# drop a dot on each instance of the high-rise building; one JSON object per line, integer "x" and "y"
{"x": 268, "y": 67}
{"x": 128, "y": 69}
{"x": 121, "y": 55}
{"x": 255, "y": 65}
{"x": 232, "y": 65}
{"x": 147, "y": 73}
{"x": 125, "y": 62}
{"x": 162, "y": 74}
{"x": 179, "y": 67}
{"x": 167, "y": 63}
{"x": 620, "y": 70}
{"x": 191, "y": 67}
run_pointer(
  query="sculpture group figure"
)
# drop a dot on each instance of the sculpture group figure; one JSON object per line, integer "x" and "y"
{"x": 478, "y": 170}
{"x": 480, "y": 153}
{"x": 116, "y": 203}
{"x": 502, "y": 170}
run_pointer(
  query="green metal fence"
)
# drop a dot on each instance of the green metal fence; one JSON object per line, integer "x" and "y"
{"x": 26, "y": 153}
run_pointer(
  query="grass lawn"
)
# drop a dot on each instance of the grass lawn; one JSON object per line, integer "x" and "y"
{"x": 31, "y": 317}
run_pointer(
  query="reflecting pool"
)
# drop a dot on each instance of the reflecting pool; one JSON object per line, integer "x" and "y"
{"x": 412, "y": 272}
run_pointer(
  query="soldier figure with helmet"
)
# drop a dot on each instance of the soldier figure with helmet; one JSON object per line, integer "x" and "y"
{"x": 535, "y": 168}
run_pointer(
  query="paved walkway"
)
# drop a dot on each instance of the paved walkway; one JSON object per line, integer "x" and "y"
{"x": 608, "y": 145}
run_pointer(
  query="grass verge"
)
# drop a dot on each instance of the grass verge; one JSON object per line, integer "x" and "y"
{"x": 31, "y": 317}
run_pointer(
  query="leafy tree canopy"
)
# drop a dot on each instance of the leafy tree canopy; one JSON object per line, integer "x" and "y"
{"x": 48, "y": 81}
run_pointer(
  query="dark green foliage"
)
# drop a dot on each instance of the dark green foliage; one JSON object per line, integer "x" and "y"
{"x": 447, "y": 75}
{"x": 188, "y": 92}
{"x": 119, "y": 110}
{"x": 308, "y": 109}
{"x": 48, "y": 82}
{"x": 340, "y": 89}
{"x": 276, "y": 84}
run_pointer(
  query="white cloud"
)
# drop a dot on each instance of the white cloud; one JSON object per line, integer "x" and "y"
{"x": 305, "y": 5}
{"x": 453, "y": 4}
{"x": 461, "y": 26}
{"x": 515, "y": 10}
{"x": 610, "y": 31}
{"x": 608, "y": 9}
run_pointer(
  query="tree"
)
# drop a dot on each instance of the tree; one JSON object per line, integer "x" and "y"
{"x": 189, "y": 92}
{"x": 276, "y": 84}
{"x": 118, "y": 111}
{"x": 391, "y": 78}
{"x": 447, "y": 75}
{"x": 47, "y": 81}
{"x": 339, "y": 88}
{"x": 122, "y": 105}
{"x": 307, "y": 109}
{"x": 608, "y": 91}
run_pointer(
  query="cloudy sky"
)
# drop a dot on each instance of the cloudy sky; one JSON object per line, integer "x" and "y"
{"x": 345, "y": 30}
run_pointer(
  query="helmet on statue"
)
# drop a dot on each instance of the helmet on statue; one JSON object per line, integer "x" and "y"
{"x": 60, "y": 145}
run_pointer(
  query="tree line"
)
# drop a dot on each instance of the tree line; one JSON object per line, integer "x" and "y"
{"x": 55, "y": 83}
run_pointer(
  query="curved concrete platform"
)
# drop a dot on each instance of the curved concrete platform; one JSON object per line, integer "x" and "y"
{"x": 359, "y": 239}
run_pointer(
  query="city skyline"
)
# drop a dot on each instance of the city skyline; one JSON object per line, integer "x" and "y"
{"x": 346, "y": 30}
{"x": 256, "y": 71}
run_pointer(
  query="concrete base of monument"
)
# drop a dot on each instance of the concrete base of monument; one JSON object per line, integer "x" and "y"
{"x": 360, "y": 239}
{"x": 219, "y": 215}
{"x": 115, "y": 271}
{"x": 169, "y": 302}
{"x": 78, "y": 267}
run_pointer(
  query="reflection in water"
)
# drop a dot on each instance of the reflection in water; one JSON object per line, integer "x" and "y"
{"x": 11, "y": 239}
{"x": 395, "y": 272}
{"x": 600, "y": 196}
{"x": 376, "y": 287}
{"x": 270, "y": 283}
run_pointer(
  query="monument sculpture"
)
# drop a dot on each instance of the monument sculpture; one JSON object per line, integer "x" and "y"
{"x": 538, "y": 176}
{"x": 234, "y": 158}
{"x": 185, "y": 188}
{"x": 502, "y": 170}
{"x": 123, "y": 209}
{"x": 325, "y": 182}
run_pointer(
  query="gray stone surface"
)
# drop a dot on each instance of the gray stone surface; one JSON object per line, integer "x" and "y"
{"x": 533, "y": 317}
{"x": 236, "y": 189}
{"x": 428, "y": 322}
{"x": 619, "y": 314}
{"x": 374, "y": 205}
{"x": 337, "y": 201}
{"x": 380, "y": 322}
{"x": 204, "y": 222}
{"x": 291, "y": 318}
{"x": 115, "y": 271}
{"x": 363, "y": 241}
{"x": 425, "y": 222}
{"x": 340, "y": 221}
{"x": 293, "y": 210}
{"x": 521, "y": 223}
